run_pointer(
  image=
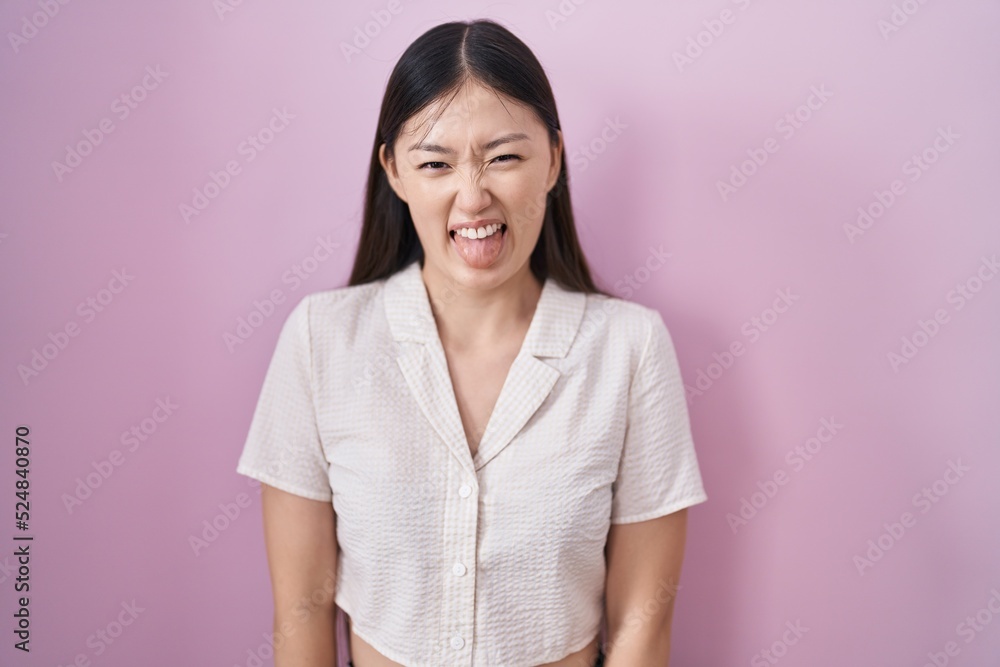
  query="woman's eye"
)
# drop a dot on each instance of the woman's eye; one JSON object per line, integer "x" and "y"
{"x": 430, "y": 166}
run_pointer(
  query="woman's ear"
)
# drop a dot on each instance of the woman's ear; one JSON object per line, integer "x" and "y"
{"x": 389, "y": 165}
{"x": 556, "y": 152}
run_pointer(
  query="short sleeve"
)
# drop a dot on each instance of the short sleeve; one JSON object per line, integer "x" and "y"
{"x": 283, "y": 447}
{"x": 658, "y": 472}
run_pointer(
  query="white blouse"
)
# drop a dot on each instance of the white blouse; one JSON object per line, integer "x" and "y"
{"x": 495, "y": 559}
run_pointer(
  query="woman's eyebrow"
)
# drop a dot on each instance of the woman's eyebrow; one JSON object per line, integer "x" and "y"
{"x": 505, "y": 139}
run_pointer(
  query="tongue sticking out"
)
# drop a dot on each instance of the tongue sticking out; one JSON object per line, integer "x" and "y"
{"x": 479, "y": 253}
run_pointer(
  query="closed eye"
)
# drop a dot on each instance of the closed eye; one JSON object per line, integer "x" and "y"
{"x": 500, "y": 158}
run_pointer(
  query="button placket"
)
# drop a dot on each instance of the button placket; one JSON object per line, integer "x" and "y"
{"x": 462, "y": 518}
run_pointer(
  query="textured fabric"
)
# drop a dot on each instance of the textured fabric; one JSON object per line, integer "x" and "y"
{"x": 450, "y": 559}
{"x": 598, "y": 662}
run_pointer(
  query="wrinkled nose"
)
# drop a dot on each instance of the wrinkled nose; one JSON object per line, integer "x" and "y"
{"x": 472, "y": 196}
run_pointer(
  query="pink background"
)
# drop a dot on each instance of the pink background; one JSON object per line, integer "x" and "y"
{"x": 654, "y": 184}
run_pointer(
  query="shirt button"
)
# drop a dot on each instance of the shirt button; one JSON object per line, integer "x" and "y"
{"x": 458, "y": 569}
{"x": 465, "y": 490}
{"x": 457, "y": 642}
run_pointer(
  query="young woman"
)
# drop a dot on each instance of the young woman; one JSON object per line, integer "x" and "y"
{"x": 472, "y": 451}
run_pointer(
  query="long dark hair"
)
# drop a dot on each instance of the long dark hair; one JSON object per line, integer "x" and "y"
{"x": 437, "y": 63}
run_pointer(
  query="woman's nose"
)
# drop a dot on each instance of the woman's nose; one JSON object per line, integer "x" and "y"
{"x": 473, "y": 193}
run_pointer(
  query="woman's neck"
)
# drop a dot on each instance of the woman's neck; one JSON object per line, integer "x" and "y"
{"x": 476, "y": 319}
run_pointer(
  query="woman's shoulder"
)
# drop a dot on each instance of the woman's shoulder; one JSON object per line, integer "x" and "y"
{"x": 622, "y": 318}
{"x": 344, "y": 297}
{"x": 327, "y": 309}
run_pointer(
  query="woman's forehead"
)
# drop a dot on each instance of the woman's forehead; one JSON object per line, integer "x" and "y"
{"x": 473, "y": 117}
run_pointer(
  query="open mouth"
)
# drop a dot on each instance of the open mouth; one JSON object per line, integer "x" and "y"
{"x": 502, "y": 230}
{"x": 480, "y": 253}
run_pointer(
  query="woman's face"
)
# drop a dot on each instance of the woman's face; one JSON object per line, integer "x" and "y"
{"x": 484, "y": 161}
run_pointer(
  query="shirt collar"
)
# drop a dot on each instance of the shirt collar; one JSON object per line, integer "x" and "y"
{"x": 553, "y": 326}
